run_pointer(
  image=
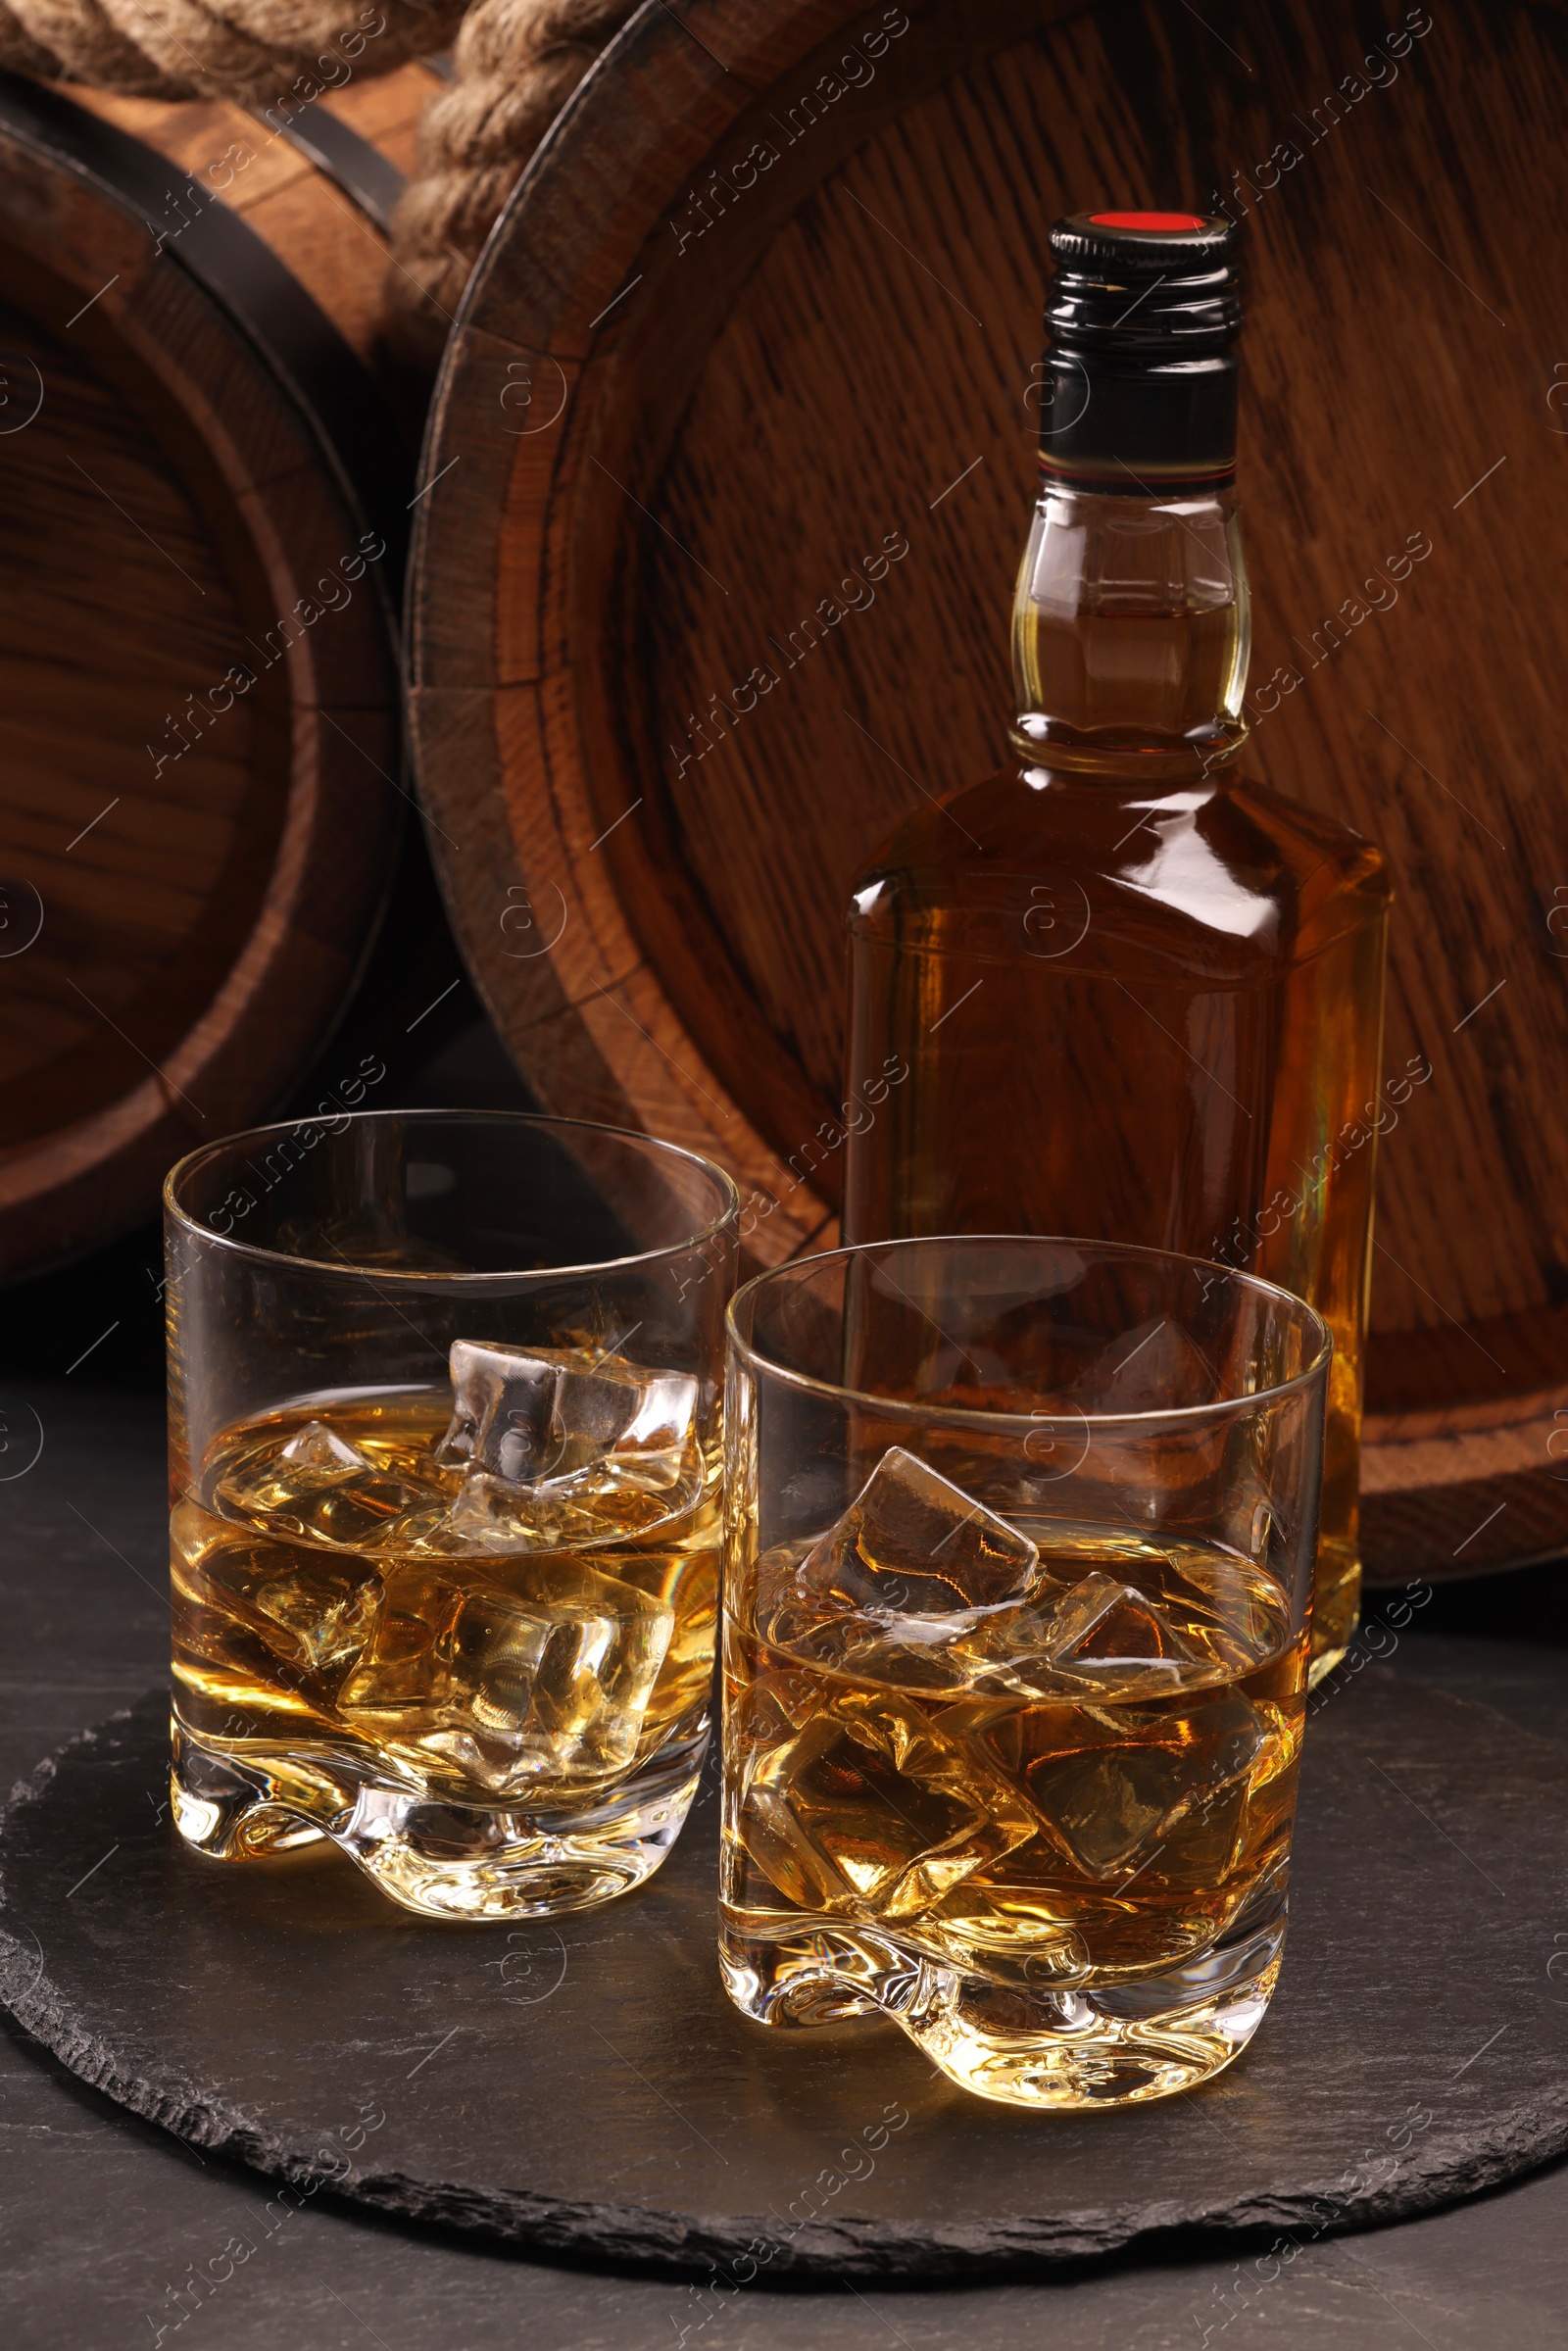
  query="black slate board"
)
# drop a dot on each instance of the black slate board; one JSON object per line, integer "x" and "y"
{"x": 589, "y": 2088}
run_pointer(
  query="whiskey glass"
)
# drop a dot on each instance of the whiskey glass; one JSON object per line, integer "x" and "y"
{"x": 1020, "y": 1539}
{"x": 445, "y": 1407}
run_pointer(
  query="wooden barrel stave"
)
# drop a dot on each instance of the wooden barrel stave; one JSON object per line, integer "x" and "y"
{"x": 559, "y": 968}
{"x": 201, "y": 934}
{"x": 244, "y": 162}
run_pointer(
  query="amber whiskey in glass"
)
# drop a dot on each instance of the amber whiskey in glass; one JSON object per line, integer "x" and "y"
{"x": 1140, "y": 997}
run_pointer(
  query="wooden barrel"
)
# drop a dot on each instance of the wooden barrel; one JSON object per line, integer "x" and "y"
{"x": 204, "y": 501}
{"x": 720, "y": 584}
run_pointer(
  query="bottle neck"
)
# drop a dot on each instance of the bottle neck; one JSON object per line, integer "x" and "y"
{"x": 1131, "y": 633}
{"x": 1130, "y": 627}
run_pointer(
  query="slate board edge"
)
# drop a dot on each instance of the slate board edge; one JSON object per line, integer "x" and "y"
{"x": 846, "y": 2247}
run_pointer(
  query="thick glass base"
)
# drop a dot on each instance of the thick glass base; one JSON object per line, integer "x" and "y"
{"x": 1085, "y": 2045}
{"x": 460, "y": 1862}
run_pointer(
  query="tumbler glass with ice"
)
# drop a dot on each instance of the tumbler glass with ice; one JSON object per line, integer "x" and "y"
{"x": 1019, "y": 1546}
{"x": 445, "y": 1450}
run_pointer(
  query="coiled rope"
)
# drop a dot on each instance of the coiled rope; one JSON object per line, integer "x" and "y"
{"x": 515, "y": 62}
{"x": 248, "y": 50}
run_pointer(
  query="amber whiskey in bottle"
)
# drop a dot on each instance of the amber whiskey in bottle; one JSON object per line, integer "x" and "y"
{"x": 1140, "y": 997}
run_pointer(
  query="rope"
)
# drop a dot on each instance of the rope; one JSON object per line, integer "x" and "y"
{"x": 517, "y": 64}
{"x": 254, "y": 51}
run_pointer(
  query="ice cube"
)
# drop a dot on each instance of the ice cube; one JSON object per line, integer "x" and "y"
{"x": 634, "y": 1425}
{"x": 1118, "y": 1788}
{"x": 493, "y": 1515}
{"x": 403, "y": 1664}
{"x": 317, "y": 1447}
{"x": 772, "y": 1706}
{"x": 870, "y": 1811}
{"x": 502, "y": 1398}
{"x": 1105, "y": 1806}
{"x": 547, "y": 1420}
{"x": 266, "y": 1611}
{"x": 1108, "y": 1629}
{"x": 554, "y": 1685}
{"x": 280, "y": 1483}
{"x": 896, "y": 1646}
{"x": 511, "y": 1688}
{"x": 592, "y": 1407}
{"x": 911, "y": 1540}
{"x": 325, "y": 1612}
{"x": 369, "y": 1510}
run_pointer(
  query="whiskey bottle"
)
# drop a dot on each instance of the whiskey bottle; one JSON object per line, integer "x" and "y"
{"x": 1139, "y": 998}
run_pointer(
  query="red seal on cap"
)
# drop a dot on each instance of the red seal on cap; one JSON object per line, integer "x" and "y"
{"x": 1156, "y": 220}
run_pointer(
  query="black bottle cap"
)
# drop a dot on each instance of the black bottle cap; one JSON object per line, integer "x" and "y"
{"x": 1144, "y": 241}
{"x": 1138, "y": 391}
{"x": 1145, "y": 279}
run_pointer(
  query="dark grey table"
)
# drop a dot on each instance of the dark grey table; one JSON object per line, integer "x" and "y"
{"x": 102, "y": 2215}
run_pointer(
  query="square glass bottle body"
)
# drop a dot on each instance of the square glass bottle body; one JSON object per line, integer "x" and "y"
{"x": 1139, "y": 999}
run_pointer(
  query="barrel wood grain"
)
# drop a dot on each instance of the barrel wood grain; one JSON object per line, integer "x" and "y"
{"x": 242, "y": 161}
{"x": 207, "y": 887}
